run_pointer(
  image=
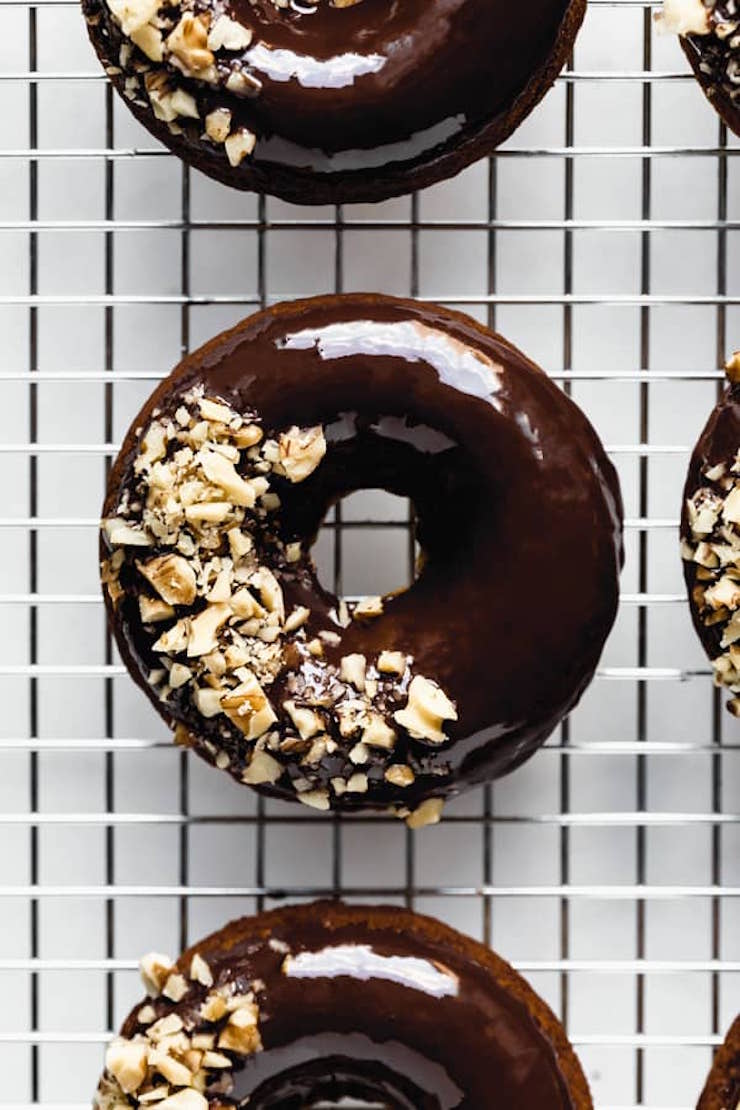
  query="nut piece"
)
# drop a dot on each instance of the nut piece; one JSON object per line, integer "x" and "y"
{"x": 378, "y": 734}
{"x": 153, "y": 609}
{"x": 316, "y": 799}
{"x": 203, "y": 629}
{"x": 189, "y": 44}
{"x": 368, "y": 607}
{"x": 352, "y": 669}
{"x": 391, "y": 662}
{"x": 262, "y": 768}
{"x": 127, "y": 1063}
{"x": 732, "y": 369}
{"x": 187, "y": 1099}
{"x": 155, "y": 969}
{"x": 301, "y": 451}
{"x": 239, "y": 145}
{"x": 683, "y": 17}
{"x": 227, "y": 34}
{"x": 200, "y": 972}
{"x": 175, "y": 988}
{"x": 307, "y": 721}
{"x": 399, "y": 774}
{"x": 427, "y": 707}
{"x": 219, "y": 470}
{"x": 248, "y": 708}
{"x": 242, "y": 1034}
{"x": 218, "y": 125}
{"x": 428, "y": 813}
{"x": 172, "y": 577}
{"x": 131, "y": 15}
{"x": 120, "y": 534}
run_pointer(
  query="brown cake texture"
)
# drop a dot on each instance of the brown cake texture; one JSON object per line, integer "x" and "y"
{"x": 323, "y": 1002}
{"x": 332, "y": 101}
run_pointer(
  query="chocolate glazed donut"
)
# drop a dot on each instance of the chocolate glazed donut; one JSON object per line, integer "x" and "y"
{"x": 218, "y": 493}
{"x": 722, "y": 1089}
{"x": 325, "y": 1002}
{"x": 710, "y": 537}
{"x": 710, "y": 39}
{"x": 329, "y": 101}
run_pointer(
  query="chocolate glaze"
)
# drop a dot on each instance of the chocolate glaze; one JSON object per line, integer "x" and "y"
{"x": 712, "y": 59}
{"x": 519, "y": 517}
{"x": 403, "y": 1010}
{"x": 390, "y": 94}
{"x": 718, "y": 442}
{"x": 722, "y": 1089}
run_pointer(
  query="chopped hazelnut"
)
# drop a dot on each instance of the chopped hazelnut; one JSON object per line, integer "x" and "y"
{"x": 120, "y": 534}
{"x": 175, "y": 988}
{"x": 306, "y": 721}
{"x": 155, "y": 970}
{"x": 301, "y": 451}
{"x": 221, "y": 472}
{"x": 352, "y": 669}
{"x": 172, "y": 577}
{"x": 153, "y": 609}
{"x": 368, "y": 607}
{"x": 248, "y": 708}
{"x": 392, "y": 662}
{"x": 399, "y": 774}
{"x": 203, "y": 629}
{"x": 262, "y": 768}
{"x": 428, "y": 813}
{"x": 316, "y": 799}
{"x": 227, "y": 34}
{"x": 427, "y": 707}
{"x": 378, "y": 734}
{"x": 200, "y": 972}
{"x": 242, "y": 1034}
{"x": 127, "y": 1063}
{"x": 239, "y": 144}
{"x": 186, "y": 1099}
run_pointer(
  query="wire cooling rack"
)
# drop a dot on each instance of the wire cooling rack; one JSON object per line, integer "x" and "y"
{"x": 602, "y": 239}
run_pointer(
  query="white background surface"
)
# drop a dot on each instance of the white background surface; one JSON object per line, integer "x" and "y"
{"x": 75, "y": 745}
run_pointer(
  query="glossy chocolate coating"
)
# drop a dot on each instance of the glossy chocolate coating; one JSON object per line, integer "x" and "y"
{"x": 718, "y": 442}
{"x": 519, "y": 517}
{"x": 712, "y": 59}
{"x": 722, "y": 1089}
{"x": 397, "y": 1008}
{"x": 374, "y": 99}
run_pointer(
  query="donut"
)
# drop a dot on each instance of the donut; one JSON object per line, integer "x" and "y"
{"x": 331, "y": 101}
{"x": 722, "y": 1089}
{"x": 710, "y": 37}
{"x": 710, "y": 537}
{"x": 318, "y": 1003}
{"x": 390, "y": 702}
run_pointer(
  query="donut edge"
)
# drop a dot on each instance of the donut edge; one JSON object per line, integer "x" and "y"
{"x": 712, "y": 1097}
{"x": 193, "y": 364}
{"x": 336, "y": 915}
{"x": 367, "y": 186}
{"x": 723, "y": 106}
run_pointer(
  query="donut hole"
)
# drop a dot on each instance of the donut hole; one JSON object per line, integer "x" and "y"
{"x": 340, "y": 1083}
{"x": 366, "y": 545}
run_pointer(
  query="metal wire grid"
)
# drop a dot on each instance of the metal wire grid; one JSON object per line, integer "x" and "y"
{"x": 599, "y": 922}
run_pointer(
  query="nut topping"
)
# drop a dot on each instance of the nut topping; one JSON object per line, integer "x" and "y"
{"x": 301, "y": 451}
{"x": 428, "y": 706}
